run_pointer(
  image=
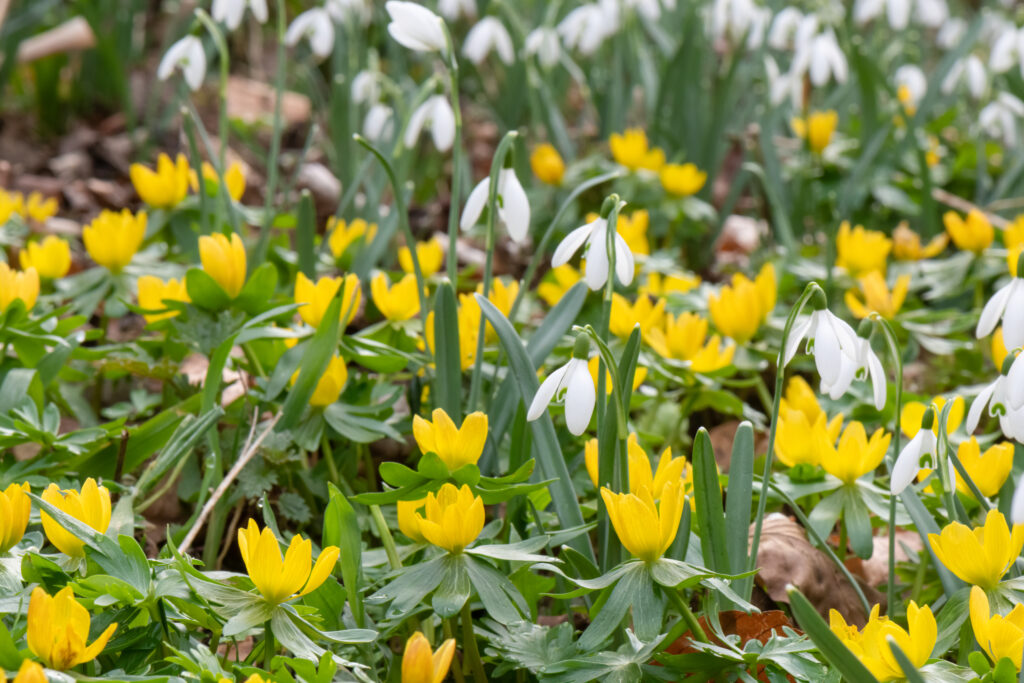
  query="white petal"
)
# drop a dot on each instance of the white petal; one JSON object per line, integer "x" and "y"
{"x": 827, "y": 354}
{"x": 596, "y": 269}
{"x": 571, "y": 244}
{"x": 974, "y": 414}
{"x": 515, "y": 207}
{"x": 878, "y": 381}
{"x": 898, "y": 13}
{"x": 992, "y": 312}
{"x": 415, "y": 26}
{"x": 545, "y": 393}
{"x": 796, "y": 335}
{"x": 579, "y": 398}
{"x": 1017, "y": 506}
{"x": 625, "y": 266}
{"x": 1013, "y": 315}
{"x": 416, "y": 122}
{"x": 442, "y": 125}
{"x": 259, "y": 10}
{"x": 1015, "y": 384}
{"x": 907, "y": 464}
{"x": 195, "y": 67}
{"x": 475, "y": 204}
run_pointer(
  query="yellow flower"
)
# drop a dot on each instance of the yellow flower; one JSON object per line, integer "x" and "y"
{"x": 15, "y": 506}
{"x": 644, "y": 528}
{"x": 456, "y": 446}
{"x": 29, "y": 672}
{"x": 453, "y": 518}
{"x": 817, "y": 129}
{"x": 877, "y": 296}
{"x": 58, "y": 628}
{"x": 712, "y": 356}
{"x": 913, "y": 412}
{"x": 39, "y": 209}
{"x": 800, "y": 396}
{"x": 90, "y": 506}
{"x": 317, "y": 297}
{"x": 999, "y": 350}
{"x": 409, "y": 520}
{"x": 999, "y": 636}
{"x": 329, "y": 387}
{"x": 659, "y": 285}
{"x": 223, "y": 259}
{"x": 1012, "y": 255}
{"x": 906, "y": 98}
{"x": 988, "y": 470}
{"x": 860, "y": 251}
{"x": 856, "y": 455}
{"x": 277, "y": 579}
{"x": 343, "y": 235}
{"x": 632, "y": 151}
{"x": 51, "y": 257}
{"x": 564, "y": 277}
{"x": 15, "y": 284}
{"x": 153, "y": 292}
{"x": 739, "y": 309}
{"x": 502, "y": 296}
{"x": 980, "y": 556}
{"x": 638, "y": 377}
{"x": 682, "y": 180}
{"x": 973, "y": 234}
{"x": 429, "y": 253}
{"x": 679, "y": 337}
{"x": 871, "y": 644}
{"x": 113, "y": 238}
{"x": 934, "y": 154}
{"x": 397, "y": 302}
{"x": 165, "y": 187}
{"x": 1013, "y": 234}
{"x": 798, "y": 441}
{"x": 626, "y": 316}
{"x": 640, "y": 475}
{"x": 906, "y": 244}
{"x": 547, "y": 164}
{"x": 234, "y": 179}
{"x": 421, "y": 665}
{"x": 11, "y": 203}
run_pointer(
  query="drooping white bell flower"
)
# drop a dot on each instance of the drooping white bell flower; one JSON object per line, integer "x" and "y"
{"x": 897, "y": 12}
{"x": 870, "y": 367}
{"x": 453, "y": 9}
{"x": 1006, "y": 304}
{"x": 1007, "y": 50}
{"x": 821, "y": 58}
{"x": 780, "y": 85}
{"x": 1015, "y": 384}
{"x": 1017, "y": 503}
{"x": 648, "y": 9}
{"x": 971, "y": 71}
{"x": 188, "y": 57}
{"x": 416, "y": 27}
{"x": 911, "y": 80}
{"x": 348, "y": 11}
{"x": 230, "y": 12}
{"x": 1011, "y": 420}
{"x": 586, "y": 28}
{"x": 542, "y": 43}
{"x": 488, "y": 34}
{"x": 595, "y": 236}
{"x": 366, "y": 87}
{"x": 836, "y": 348}
{"x": 908, "y": 464}
{"x": 437, "y": 113}
{"x": 785, "y": 26}
{"x": 999, "y": 119}
{"x": 314, "y": 25}
{"x": 378, "y": 122}
{"x": 951, "y": 33}
{"x": 574, "y": 386}
{"x": 513, "y": 206}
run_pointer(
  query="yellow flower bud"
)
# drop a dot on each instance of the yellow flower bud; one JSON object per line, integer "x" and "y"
{"x": 234, "y": 179}
{"x": 343, "y": 235}
{"x": 317, "y": 297}
{"x": 682, "y": 180}
{"x": 973, "y": 234}
{"x": 396, "y": 302}
{"x": 51, "y": 257}
{"x": 165, "y": 187}
{"x": 547, "y": 164}
{"x": 90, "y": 506}
{"x": 224, "y": 261}
{"x": 455, "y": 446}
{"x": 632, "y": 151}
{"x": 644, "y": 528}
{"x": 113, "y": 238}
{"x": 871, "y": 644}
{"x": 421, "y": 665}
{"x": 429, "y": 253}
{"x": 153, "y": 292}
{"x": 22, "y": 285}
{"x": 15, "y": 506}
{"x": 452, "y": 518}
{"x": 999, "y": 636}
{"x": 817, "y": 129}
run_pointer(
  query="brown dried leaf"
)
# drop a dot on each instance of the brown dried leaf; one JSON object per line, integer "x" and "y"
{"x": 760, "y": 627}
{"x": 253, "y": 102}
{"x": 875, "y": 569}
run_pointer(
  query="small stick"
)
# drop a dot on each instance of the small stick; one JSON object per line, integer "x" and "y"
{"x": 964, "y": 205}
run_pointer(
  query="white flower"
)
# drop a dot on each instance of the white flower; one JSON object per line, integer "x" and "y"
{"x": 365, "y": 87}
{"x": 1011, "y": 420}
{"x": 513, "y": 207}
{"x": 314, "y": 25}
{"x": 377, "y": 124}
{"x": 930, "y": 13}
{"x": 648, "y": 9}
{"x": 344, "y": 11}
{"x": 908, "y": 464}
{"x": 1007, "y": 50}
{"x": 1006, "y": 304}
{"x": 438, "y": 114}
{"x": 595, "y": 236}
{"x": 1015, "y": 383}
{"x": 971, "y": 71}
{"x": 572, "y": 384}
{"x": 587, "y": 27}
{"x": 999, "y": 118}
{"x": 868, "y": 364}
{"x": 488, "y": 34}
{"x": 822, "y": 58}
{"x": 736, "y": 21}
{"x": 911, "y": 77}
{"x": 785, "y": 27}
{"x": 951, "y": 33}
{"x": 543, "y": 43}
{"x": 416, "y": 27}
{"x": 780, "y": 85}
{"x": 452, "y": 9}
{"x": 187, "y": 56}
{"x": 837, "y": 350}
{"x": 1017, "y": 504}
{"x": 229, "y": 12}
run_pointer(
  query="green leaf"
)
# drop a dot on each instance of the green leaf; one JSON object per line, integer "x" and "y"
{"x": 410, "y": 585}
{"x": 305, "y": 232}
{"x": 184, "y": 439}
{"x": 204, "y": 291}
{"x": 446, "y": 352}
{"x": 341, "y": 529}
{"x": 737, "y": 504}
{"x": 857, "y": 519}
{"x": 710, "y": 516}
{"x": 829, "y": 645}
{"x": 258, "y": 291}
{"x": 318, "y": 354}
{"x": 398, "y": 475}
{"x": 455, "y": 587}
{"x": 501, "y": 598}
{"x": 614, "y": 609}
{"x": 911, "y": 672}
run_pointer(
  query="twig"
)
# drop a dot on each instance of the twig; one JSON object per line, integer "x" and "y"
{"x": 236, "y": 469}
{"x": 964, "y": 205}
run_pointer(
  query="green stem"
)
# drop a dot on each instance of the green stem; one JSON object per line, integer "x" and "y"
{"x": 469, "y": 645}
{"x": 449, "y": 634}
{"x": 843, "y": 540}
{"x": 386, "y": 537}
{"x": 329, "y": 457}
{"x": 688, "y": 617}
{"x": 275, "y": 140}
{"x": 268, "y": 646}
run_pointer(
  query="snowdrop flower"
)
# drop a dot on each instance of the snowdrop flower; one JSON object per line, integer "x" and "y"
{"x": 1017, "y": 504}
{"x": 932, "y": 13}
{"x": 999, "y": 118}
{"x": 648, "y": 9}
{"x": 737, "y": 20}
{"x": 453, "y": 9}
{"x": 595, "y": 236}
{"x": 870, "y": 367}
{"x": 1006, "y": 304}
{"x": 951, "y": 33}
{"x": 438, "y": 114}
{"x": 786, "y": 26}
{"x": 187, "y": 56}
{"x": 543, "y": 43}
{"x": 365, "y": 87}
{"x": 1015, "y": 381}
{"x": 377, "y": 124}
{"x": 822, "y": 58}
{"x": 1006, "y": 50}
{"x": 488, "y": 34}
{"x": 314, "y": 25}
{"x": 971, "y": 71}
{"x": 911, "y": 85}
{"x": 586, "y": 28}
{"x": 908, "y": 464}
{"x": 1011, "y": 420}
{"x": 572, "y": 384}
{"x": 513, "y": 207}
{"x": 345, "y": 11}
{"x": 416, "y": 27}
{"x": 780, "y": 85}
{"x": 836, "y": 348}
{"x": 229, "y": 12}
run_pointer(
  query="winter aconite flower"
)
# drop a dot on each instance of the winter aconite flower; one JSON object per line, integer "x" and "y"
{"x": 682, "y": 180}
{"x": 547, "y": 164}
{"x": 644, "y": 528}
{"x": 871, "y": 644}
{"x": 513, "y": 206}
{"x": 28, "y": 672}
{"x": 165, "y": 187}
{"x": 979, "y": 556}
{"x": 343, "y": 234}
{"x": 860, "y": 251}
{"x": 234, "y": 180}
{"x": 974, "y": 233}
{"x": 816, "y": 129}
{"x": 416, "y": 27}
{"x": 90, "y": 506}
{"x": 998, "y": 635}
{"x": 659, "y": 284}
{"x": 595, "y": 236}
{"x": 800, "y": 441}
{"x": 988, "y": 470}
{"x": 188, "y": 57}
{"x": 15, "y": 506}
{"x": 396, "y": 302}
{"x": 877, "y": 297}
{"x": 683, "y": 337}
{"x": 631, "y": 150}
{"x": 455, "y": 446}
{"x": 453, "y": 518}
{"x": 58, "y": 628}
{"x": 51, "y": 257}
{"x": 573, "y": 383}
{"x": 113, "y": 238}
{"x": 329, "y": 386}
{"x": 20, "y": 285}
{"x": 421, "y": 665}
{"x": 224, "y": 260}
{"x": 430, "y": 254}
{"x": 317, "y": 297}
{"x": 856, "y": 455}
{"x": 626, "y": 316}
{"x": 280, "y": 579}
{"x": 739, "y": 309}
{"x": 153, "y": 292}
{"x": 906, "y": 244}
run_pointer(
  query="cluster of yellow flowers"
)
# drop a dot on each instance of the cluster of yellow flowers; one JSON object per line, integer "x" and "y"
{"x": 632, "y": 150}
{"x": 641, "y": 475}
{"x": 816, "y": 129}
{"x": 33, "y": 207}
{"x": 738, "y": 310}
